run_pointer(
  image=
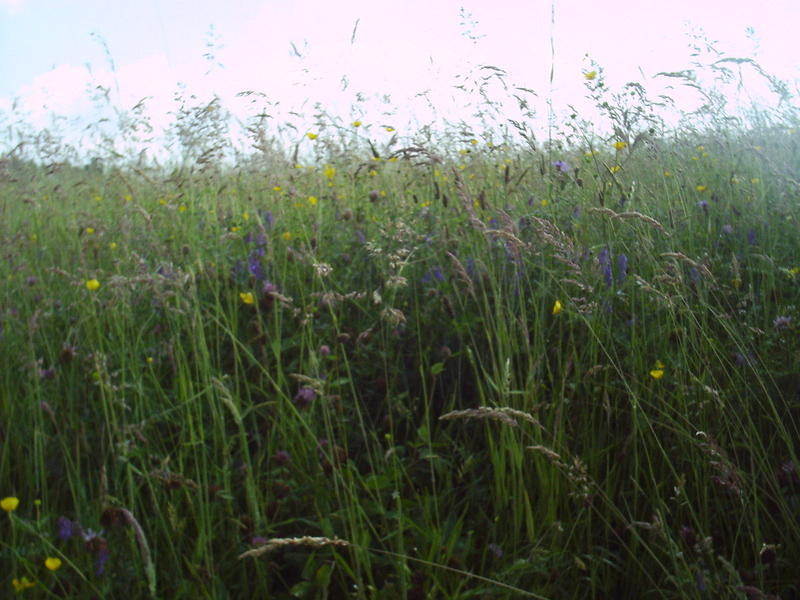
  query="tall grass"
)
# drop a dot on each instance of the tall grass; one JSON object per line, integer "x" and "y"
{"x": 424, "y": 369}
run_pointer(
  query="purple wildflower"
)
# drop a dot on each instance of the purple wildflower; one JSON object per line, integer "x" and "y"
{"x": 471, "y": 267}
{"x": 49, "y": 373}
{"x": 531, "y": 200}
{"x": 751, "y": 237}
{"x": 267, "y": 217}
{"x": 605, "y": 263}
{"x": 561, "y": 166}
{"x": 102, "y": 558}
{"x": 255, "y": 267}
{"x": 727, "y": 229}
{"x": 360, "y": 236}
{"x": 496, "y": 550}
{"x": 324, "y": 350}
{"x": 304, "y": 397}
{"x": 281, "y": 457}
{"x": 438, "y": 274}
{"x": 576, "y": 212}
{"x": 66, "y": 528}
{"x": 782, "y": 322}
{"x": 622, "y": 268}
{"x": 704, "y": 205}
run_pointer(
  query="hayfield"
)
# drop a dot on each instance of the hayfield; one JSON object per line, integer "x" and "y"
{"x": 376, "y": 364}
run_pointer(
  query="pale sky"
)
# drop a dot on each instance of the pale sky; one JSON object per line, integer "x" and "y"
{"x": 50, "y": 54}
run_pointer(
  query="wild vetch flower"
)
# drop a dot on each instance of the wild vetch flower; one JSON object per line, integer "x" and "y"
{"x": 304, "y": 397}
{"x": 92, "y": 285}
{"x": 561, "y": 166}
{"x": 256, "y": 268}
{"x": 52, "y": 563}
{"x": 622, "y": 268}
{"x": 605, "y": 263}
{"x": 103, "y": 555}
{"x": 66, "y": 528}
{"x": 9, "y": 503}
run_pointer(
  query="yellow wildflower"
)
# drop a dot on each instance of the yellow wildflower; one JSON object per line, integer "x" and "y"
{"x": 356, "y": 123}
{"x": 92, "y": 285}
{"x": 557, "y": 308}
{"x": 590, "y": 75}
{"x": 89, "y": 230}
{"x": 311, "y": 136}
{"x": 473, "y": 142}
{"x": 22, "y": 584}
{"x": 247, "y": 297}
{"x": 9, "y": 503}
{"x": 389, "y": 129}
{"x": 658, "y": 372}
{"x": 113, "y": 245}
{"x": 276, "y": 188}
{"x": 701, "y": 188}
{"x": 615, "y": 169}
{"x": 329, "y": 172}
{"x": 312, "y": 200}
{"x": 52, "y": 563}
{"x": 620, "y": 145}
{"x": 287, "y": 236}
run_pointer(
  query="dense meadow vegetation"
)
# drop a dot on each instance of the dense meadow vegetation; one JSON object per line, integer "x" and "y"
{"x": 376, "y": 365}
